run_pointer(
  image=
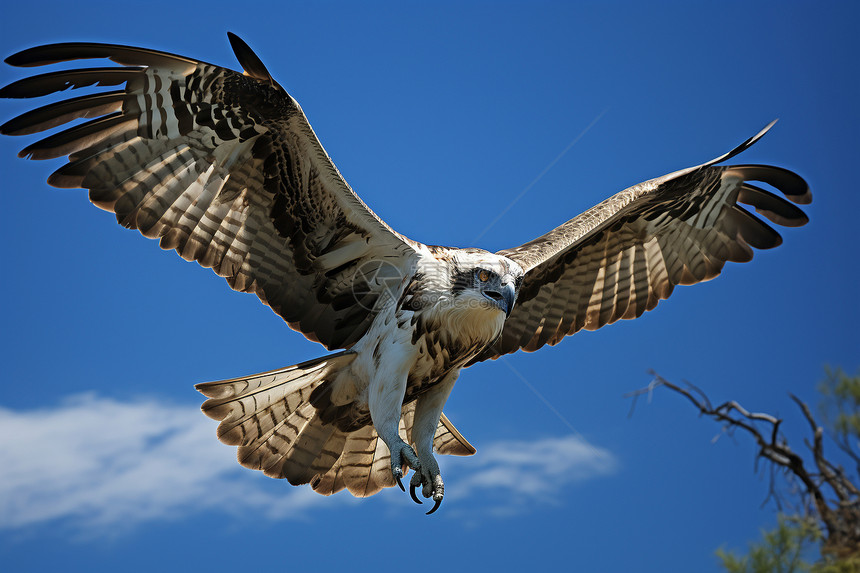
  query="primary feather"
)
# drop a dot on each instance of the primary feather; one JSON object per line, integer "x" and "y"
{"x": 224, "y": 168}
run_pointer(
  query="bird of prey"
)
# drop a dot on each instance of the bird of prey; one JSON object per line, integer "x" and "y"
{"x": 224, "y": 168}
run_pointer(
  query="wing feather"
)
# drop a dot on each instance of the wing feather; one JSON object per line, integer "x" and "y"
{"x": 224, "y": 169}
{"x": 620, "y": 258}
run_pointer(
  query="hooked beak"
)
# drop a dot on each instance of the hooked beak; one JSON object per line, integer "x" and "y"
{"x": 503, "y": 300}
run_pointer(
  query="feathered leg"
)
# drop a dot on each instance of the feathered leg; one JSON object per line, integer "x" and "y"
{"x": 428, "y": 409}
{"x": 385, "y": 400}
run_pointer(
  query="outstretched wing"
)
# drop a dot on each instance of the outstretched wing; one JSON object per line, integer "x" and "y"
{"x": 224, "y": 168}
{"x": 621, "y": 257}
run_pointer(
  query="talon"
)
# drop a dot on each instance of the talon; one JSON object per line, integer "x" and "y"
{"x": 412, "y": 494}
{"x": 398, "y": 473}
{"x": 435, "y": 506}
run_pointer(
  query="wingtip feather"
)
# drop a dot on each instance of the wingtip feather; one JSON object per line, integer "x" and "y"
{"x": 249, "y": 61}
{"x": 743, "y": 146}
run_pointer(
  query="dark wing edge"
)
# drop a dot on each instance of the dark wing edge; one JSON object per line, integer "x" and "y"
{"x": 249, "y": 61}
{"x": 222, "y": 167}
{"x": 621, "y": 257}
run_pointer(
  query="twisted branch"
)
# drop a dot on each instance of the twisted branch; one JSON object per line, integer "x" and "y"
{"x": 840, "y": 516}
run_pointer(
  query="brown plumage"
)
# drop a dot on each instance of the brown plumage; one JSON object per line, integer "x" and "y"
{"x": 224, "y": 168}
{"x": 621, "y": 257}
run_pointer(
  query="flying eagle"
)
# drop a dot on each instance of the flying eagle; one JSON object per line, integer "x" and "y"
{"x": 224, "y": 168}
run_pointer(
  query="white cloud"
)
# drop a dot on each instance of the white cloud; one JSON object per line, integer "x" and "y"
{"x": 525, "y": 471}
{"x": 104, "y": 464}
{"x": 99, "y": 465}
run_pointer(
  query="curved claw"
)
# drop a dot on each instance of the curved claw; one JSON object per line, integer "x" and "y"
{"x": 397, "y": 462}
{"x": 412, "y": 494}
{"x": 435, "y": 506}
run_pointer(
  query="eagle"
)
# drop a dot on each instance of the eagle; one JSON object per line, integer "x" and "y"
{"x": 223, "y": 167}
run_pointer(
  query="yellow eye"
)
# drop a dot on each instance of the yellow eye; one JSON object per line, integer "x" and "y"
{"x": 483, "y": 276}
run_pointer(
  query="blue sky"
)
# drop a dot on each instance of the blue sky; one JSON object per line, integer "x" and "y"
{"x": 439, "y": 117}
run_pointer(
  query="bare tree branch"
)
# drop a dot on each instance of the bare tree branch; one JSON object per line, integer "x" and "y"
{"x": 841, "y": 516}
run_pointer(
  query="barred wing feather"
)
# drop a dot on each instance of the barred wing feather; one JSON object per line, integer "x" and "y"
{"x": 621, "y": 257}
{"x": 222, "y": 167}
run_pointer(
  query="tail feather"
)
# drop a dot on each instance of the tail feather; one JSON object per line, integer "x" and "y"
{"x": 271, "y": 450}
{"x": 365, "y": 463}
{"x": 330, "y": 452}
{"x": 240, "y": 402}
{"x": 280, "y": 430}
{"x": 312, "y": 452}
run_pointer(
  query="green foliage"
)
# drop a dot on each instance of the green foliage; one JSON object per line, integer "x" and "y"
{"x": 780, "y": 550}
{"x": 840, "y": 405}
{"x": 829, "y": 565}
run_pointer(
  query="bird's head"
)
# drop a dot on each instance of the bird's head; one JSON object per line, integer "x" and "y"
{"x": 487, "y": 280}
